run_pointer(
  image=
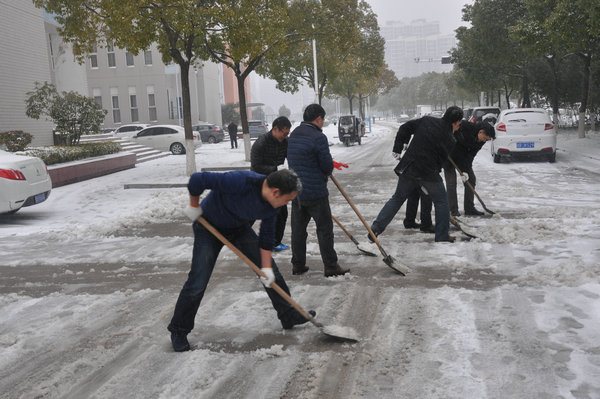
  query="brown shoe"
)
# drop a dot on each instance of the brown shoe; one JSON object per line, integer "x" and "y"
{"x": 296, "y": 271}
{"x": 338, "y": 271}
{"x": 447, "y": 239}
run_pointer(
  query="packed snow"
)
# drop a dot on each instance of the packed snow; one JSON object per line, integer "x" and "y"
{"x": 89, "y": 280}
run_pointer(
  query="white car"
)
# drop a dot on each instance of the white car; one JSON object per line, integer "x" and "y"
{"x": 524, "y": 132}
{"x": 129, "y": 130}
{"x": 165, "y": 138}
{"x": 24, "y": 181}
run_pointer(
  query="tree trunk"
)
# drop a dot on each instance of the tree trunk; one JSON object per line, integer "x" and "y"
{"x": 243, "y": 113}
{"x": 552, "y": 63}
{"x": 585, "y": 86}
{"x": 507, "y": 94}
{"x": 190, "y": 155}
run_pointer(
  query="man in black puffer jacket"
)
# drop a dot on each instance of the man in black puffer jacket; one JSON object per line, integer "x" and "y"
{"x": 420, "y": 167}
{"x": 309, "y": 156}
{"x": 268, "y": 152}
{"x": 470, "y": 137}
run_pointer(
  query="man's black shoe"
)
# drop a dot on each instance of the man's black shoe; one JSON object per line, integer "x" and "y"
{"x": 296, "y": 271}
{"x": 371, "y": 238}
{"x": 455, "y": 213}
{"x": 447, "y": 239}
{"x": 299, "y": 319}
{"x": 180, "y": 342}
{"x": 474, "y": 212}
{"x": 411, "y": 224}
{"x": 427, "y": 229}
{"x": 338, "y": 271}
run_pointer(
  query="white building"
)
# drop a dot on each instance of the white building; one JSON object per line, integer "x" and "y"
{"x": 132, "y": 88}
{"x": 416, "y": 48}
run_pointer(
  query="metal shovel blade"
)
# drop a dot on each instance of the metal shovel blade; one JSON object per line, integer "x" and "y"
{"x": 399, "y": 267}
{"x": 340, "y": 333}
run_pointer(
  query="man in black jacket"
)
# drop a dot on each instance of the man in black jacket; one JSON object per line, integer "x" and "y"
{"x": 470, "y": 137}
{"x": 420, "y": 167}
{"x": 232, "y": 129}
{"x": 268, "y": 153}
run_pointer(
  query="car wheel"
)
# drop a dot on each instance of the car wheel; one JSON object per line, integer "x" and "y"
{"x": 347, "y": 142}
{"x": 497, "y": 158}
{"x": 212, "y": 140}
{"x": 177, "y": 149}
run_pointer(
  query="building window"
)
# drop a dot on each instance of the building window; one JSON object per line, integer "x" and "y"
{"x": 112, "y": 61}
{"x": 133, "y": 105}
{"x": 97, "y": 94}
{"x": 129, "y": 59}
{"x": 94, "y": 58}
{"x": 148, "y": 57}
{"x": 152, "y": 116}
{"x": 114, "y": 96}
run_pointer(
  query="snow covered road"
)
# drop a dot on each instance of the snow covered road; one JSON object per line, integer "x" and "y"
{"x": 88, "y": 281}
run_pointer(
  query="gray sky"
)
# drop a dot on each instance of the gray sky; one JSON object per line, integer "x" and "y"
{"x": 447, "y": 12}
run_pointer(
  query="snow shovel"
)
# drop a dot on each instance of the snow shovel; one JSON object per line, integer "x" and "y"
{"x": 364, "y": 251}
{"x": 337, "y": 332}
{"x": 458, "y": 226}
{"x": 471, "y": 187}
{"x": 387, "y": 259}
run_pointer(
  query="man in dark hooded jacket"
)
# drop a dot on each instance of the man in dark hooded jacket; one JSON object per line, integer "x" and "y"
{"x": 432, "y": 141}
{"x": 470, "y": 137}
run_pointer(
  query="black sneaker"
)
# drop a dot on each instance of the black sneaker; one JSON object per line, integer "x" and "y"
{"x": 296, "y": 271}
{"x": 455, "y": 213}
{"x": 474, "y": 212}
{"x": 180, "y": 342}
{"x": 299, "y": 319}
{"x": 371, "y": 238}
{"x": 427, "y": 229}
{"x": 411, "y": 224}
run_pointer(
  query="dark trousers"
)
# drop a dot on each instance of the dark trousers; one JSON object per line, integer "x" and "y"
{"x": 302, "y": 212}
{"x": 280, "y": 224}
{"x": 469, "y": 197}
{"x": 206, "y": 251}
{"x": 233, "y": 139}
{"x": 406, "y": 186}
{"x": 412, "y": 203}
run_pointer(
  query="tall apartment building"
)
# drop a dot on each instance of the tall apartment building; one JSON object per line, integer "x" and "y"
{"x": 416, "y": 48}
{"x": 132, "y": 88}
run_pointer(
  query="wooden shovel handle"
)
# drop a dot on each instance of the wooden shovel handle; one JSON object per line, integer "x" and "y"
{"x": 256, "y": 270}
{"x": 469, "y": 184}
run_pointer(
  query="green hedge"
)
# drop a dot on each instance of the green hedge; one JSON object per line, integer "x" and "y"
{"x": 15, "y": 140}
{"x": 59, "y": 154}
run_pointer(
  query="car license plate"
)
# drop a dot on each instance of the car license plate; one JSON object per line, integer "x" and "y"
{"x": 39, "y": 198}
{"x": 525, "y": 145}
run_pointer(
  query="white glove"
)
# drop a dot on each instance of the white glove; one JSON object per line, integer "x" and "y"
{"x": 267, "y": 271}
{"x": 192, "y": 213}
{"x": 282, "y": 166}
{"x": 464, "y": 177}
{"x": 396, "y": 155}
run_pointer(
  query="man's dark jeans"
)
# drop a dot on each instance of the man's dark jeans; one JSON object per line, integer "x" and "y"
{"x": 302, "y": 212}
{"x": 412, "y": 204}
{"x": 406, "y": 186}
{"x": 469, "y": 197}
{"x": 206, "y": 251}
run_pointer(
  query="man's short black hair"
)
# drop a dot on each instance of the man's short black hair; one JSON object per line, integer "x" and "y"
{"x": 488, "y": 129}
{"x": 286, "y": 180}
{"x": 312, "y": 112}
{"x": 453, "y": 114}
{"x": 281, "y": 122}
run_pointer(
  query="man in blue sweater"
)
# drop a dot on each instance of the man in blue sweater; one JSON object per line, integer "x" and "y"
{"x": 235, "y": 201}
{"x": 308, "y": 155}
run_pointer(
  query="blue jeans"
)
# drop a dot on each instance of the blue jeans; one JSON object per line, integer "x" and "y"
{"x": 206, "y": 251}
{"x": 406, "y": 185}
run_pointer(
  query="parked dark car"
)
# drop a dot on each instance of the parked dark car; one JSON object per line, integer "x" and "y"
{"x": 256, "y": 129}
{"x": 209, "y": 133}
